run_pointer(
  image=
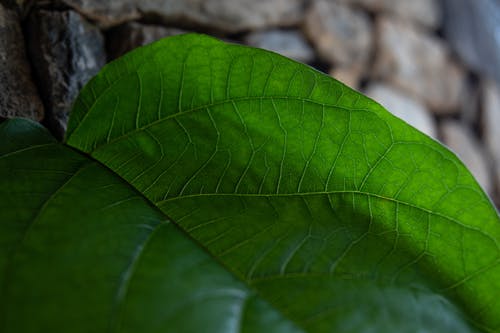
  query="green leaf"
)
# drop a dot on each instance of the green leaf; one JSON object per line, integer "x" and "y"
{"x": 338, "y": 215}
{"x": 82, "y": 251}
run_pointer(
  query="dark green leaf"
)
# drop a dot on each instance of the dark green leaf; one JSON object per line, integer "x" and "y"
{"x": 82, "y": 251}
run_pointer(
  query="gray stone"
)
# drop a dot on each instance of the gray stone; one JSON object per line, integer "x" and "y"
{"x": 491, "y": 125}
{"x": 418, "y": 64}
{"x": 105, "y": 13}
{"x": 128, "y": 36}
{"x": 18, "y": 93}
{"x": 289, "y": 43}
{"x": 66, "y": 52}
{"x": 244, "y": 14}
{"x": 427, "y": 13}
{"x": 404, "y": 107}
{"x": 341, "y": 34}
{"x": 13, "y": 4}
{"x": 470, "y": 102}
{"x": 463, "y": 142}
{"x": 424, "y": 12}
{"x": 225, "y": 15}
{"x": 491, "y": 117}
{"x": 473, "y": 29}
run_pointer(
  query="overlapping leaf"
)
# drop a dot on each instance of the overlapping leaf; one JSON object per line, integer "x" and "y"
{"x": 82, "y": 251}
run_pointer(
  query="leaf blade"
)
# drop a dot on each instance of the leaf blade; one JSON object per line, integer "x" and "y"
{"x": 82, "y": 251}
{"x": 239, "y": 122}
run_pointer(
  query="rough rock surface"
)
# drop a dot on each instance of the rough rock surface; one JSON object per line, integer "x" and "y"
{"x": 466, "y": 146}
{"x": 424, "y": 12}
{"x": 66, "y": 52}
{"x": 18, "y": 94}
{"x": 404, "y": 107}
{"x": 419, "y": 64}
{"x": 128, "y": 36}
{"x": 289, "y": 43}
{"x": 341, "y": 34}
{"x": 106, "y": 13}
{"x": 224, "y": 15}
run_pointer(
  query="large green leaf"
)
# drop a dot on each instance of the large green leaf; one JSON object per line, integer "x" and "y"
{"x": 82, "y": 251}
{"x": 339, "y": 215}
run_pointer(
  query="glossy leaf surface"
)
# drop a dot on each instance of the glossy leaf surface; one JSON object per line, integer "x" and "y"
{"x": 339, "y": 215}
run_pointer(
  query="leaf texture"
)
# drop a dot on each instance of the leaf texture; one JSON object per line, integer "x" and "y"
{"x": 82, "y": 251}
{"x": 284, "y": 173}
{"x": 338, "y": 215}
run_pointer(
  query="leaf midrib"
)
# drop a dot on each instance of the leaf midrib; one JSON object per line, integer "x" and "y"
{"x": 207, "y": 106}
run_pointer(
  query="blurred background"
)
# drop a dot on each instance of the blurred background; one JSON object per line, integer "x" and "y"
{"x": 433, "y": 63}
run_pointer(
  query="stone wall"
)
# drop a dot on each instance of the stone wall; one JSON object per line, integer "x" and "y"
{"x": 392, "y": 50}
